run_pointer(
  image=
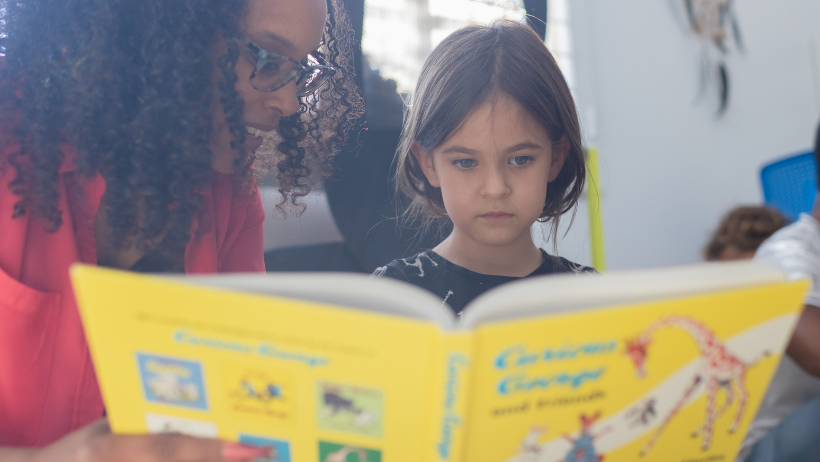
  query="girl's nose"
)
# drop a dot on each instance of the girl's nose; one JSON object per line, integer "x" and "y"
{"x": 496, "y": 183}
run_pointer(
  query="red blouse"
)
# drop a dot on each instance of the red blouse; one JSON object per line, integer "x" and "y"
{"x": 47, "y": 382}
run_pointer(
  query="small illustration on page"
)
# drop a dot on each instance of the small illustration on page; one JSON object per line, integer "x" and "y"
{"x": 530, "y": 448}
{"x": 350, "y": 408}
{"x": 278, "y": 450}
{"x": 583, "y": 447}
{"x": 643, "y": 414}
{"x": 332, "y": 452}
{"x": 267, "y": 394}
{"x": 172, "y": 381}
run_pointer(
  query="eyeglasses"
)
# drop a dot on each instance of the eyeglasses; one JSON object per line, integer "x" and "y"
{"x": 274, "y": 71}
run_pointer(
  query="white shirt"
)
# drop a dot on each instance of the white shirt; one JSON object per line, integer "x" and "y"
{"x": 796, "y": 249}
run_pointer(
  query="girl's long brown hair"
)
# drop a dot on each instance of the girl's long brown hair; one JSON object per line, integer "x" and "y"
{"x": 468, "y": 68}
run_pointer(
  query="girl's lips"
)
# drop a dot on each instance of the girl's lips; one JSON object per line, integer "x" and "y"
{"x": 495, "y": 216}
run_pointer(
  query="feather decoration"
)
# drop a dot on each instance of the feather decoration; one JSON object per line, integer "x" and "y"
{"x": 715, "y": 23}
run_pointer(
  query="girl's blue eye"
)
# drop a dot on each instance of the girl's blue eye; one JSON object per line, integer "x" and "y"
{"x": 464, "y": 163}
{"x": 521, "y": 160}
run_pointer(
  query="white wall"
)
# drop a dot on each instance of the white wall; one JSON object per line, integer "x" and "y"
{"x": 669, "y": 167}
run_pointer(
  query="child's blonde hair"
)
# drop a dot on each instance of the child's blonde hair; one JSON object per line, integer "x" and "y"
{"x": 472, "y": 66}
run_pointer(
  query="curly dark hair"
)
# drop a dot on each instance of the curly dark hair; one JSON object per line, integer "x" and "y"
{"x": 128, "y": 84}
{"x": 743, "y": 228}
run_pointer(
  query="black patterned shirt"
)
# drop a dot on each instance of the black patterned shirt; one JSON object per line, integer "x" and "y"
{"x": 457, "y": 286}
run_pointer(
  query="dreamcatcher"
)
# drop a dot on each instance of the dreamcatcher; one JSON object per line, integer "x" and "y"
{"x": 715, "y": 23}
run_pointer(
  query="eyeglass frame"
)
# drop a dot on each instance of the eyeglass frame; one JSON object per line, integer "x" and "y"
{"x": 263, "y": 56}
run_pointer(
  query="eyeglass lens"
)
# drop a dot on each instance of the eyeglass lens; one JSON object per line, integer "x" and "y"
{"x": 277, "y": 72}
{"x": 309, "y": 81}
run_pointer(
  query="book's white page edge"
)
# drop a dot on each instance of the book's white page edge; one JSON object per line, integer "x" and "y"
{"x": 573, "y": 292}
{"x": 346, "y": 290}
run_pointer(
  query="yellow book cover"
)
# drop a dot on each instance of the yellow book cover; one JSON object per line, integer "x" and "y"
{"x": 662, "y": 365}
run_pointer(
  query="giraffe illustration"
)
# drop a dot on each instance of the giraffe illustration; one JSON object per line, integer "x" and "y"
{"x": 583, "y": 449}
{"x": 717, "y": 368}
{"x": 341, "y": 454}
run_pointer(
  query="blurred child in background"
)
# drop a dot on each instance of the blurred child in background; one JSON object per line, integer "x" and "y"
{"x": 741, "y": 231}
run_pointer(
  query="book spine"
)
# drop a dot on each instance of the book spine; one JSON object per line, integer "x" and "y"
{"x": 452, "y": 380}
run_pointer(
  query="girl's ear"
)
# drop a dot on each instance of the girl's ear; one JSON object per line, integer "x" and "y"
{"x": 559, "y": 156}
{"x": 425, "y": 160}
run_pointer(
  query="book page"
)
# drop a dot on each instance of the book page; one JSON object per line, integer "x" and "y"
{"x": 666, "y": 381}
{"x": 569, "y": 292}
{"x": 308, "y": 381}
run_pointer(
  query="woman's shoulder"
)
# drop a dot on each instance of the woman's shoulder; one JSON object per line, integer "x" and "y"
{"x": 554, "y": 264}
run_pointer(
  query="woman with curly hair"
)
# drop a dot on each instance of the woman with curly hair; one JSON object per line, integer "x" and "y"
{"x": 128, "y": 132}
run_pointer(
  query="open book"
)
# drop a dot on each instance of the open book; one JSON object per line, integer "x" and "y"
{"x": 668, "y": 364}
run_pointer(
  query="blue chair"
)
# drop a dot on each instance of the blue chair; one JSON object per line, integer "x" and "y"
{"x": 790, "y": 184}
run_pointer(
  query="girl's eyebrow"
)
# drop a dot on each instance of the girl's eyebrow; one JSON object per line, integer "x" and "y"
{"x": 523, "y": 146}
{"x": 459, "y": 149}
{"x": 465, "y": 150}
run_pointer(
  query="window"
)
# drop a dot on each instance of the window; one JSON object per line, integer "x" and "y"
{"x": 559, "y": 38}
{"x": 399, "y": 34}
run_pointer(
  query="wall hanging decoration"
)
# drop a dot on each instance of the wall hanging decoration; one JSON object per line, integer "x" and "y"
{"x": 715, "y": 24}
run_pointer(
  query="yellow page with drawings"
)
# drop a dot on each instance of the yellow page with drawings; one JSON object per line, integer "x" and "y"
{"x": 309, "y": 381}
{"x": 662, "y": 381}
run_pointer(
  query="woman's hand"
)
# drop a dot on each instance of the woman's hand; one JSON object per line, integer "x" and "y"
{"x": 96, "y": 443}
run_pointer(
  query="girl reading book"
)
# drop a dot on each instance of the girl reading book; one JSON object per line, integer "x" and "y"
{"x": 492, "y": 143}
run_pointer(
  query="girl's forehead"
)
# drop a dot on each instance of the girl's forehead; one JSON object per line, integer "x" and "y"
{"x": 500, "y": 116}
